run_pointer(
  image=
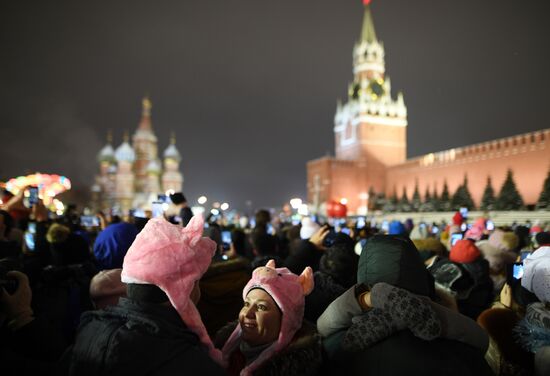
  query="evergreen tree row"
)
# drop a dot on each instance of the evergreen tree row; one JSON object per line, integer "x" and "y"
{"x": 508, "y": 198}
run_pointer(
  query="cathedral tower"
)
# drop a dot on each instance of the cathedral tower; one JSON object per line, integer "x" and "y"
{"x": 172, "y": 178}
{"x": 125, "y": 157}
{"x": 145, "y": 147}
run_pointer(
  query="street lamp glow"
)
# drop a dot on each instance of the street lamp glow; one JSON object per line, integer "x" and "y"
{"x": 296, "y": 203}
{"x": 215, "y": 211}
{"x": 202, "y": 200}
{"x": 216, "y": 205}
{"x": 344, "y": 201}
{"x": 224, "y": 206}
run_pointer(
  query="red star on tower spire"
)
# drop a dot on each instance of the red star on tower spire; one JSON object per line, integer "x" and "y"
{"x": 366, "y": 2}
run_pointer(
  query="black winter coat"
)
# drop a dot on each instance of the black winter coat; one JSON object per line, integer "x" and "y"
{"x": 135, "y": 338}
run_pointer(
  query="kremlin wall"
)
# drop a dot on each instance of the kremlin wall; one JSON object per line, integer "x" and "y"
{"x": 370, "y": 132}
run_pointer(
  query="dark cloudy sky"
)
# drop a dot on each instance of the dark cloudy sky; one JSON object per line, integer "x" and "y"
{"x": 250, "y": 86}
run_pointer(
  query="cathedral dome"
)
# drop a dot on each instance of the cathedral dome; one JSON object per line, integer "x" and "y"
{"x": 154, "y": 166}
{"x": 125, "y": 153}
{"x": 172, "y": 153}
{"x": 107, "y": 154}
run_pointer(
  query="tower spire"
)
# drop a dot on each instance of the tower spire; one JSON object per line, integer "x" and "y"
{"x": 368, "y": 34}
{"x": 146, "y": 105}
{"x": 109, "y": 136}
{"x": 173, "y": 138}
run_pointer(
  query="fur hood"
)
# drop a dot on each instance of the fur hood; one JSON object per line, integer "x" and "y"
{"x": 301, "y": 357}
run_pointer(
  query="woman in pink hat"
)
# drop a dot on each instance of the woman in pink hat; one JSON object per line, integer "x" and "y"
{"x": 270, "y": 336}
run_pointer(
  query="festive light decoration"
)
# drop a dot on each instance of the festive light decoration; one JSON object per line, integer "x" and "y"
{"x": 49, "y": 186}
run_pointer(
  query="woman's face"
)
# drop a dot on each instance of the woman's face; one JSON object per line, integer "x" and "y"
{"x": 260, "y": 318}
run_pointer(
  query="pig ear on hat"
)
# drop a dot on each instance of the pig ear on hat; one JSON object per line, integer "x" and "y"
{"x": 271, "y": 264}
{"x": 195, "y": 227}
{"x": 306, "y": 280}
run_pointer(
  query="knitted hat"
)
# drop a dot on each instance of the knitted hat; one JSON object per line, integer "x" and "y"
{"x": 288, "y": 291}
{"x": 397, "y": 228}
{"x": 106, "y": 288}
{"x": 476, "y": 231}
{"x": 173, "y": 258}
{"x": 457, "y": 219}
{"x": 309, "y": 228}
{"x": 536, "y": 273}
{"x": 464, "y": 251}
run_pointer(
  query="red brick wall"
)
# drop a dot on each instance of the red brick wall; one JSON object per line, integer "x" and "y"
{"x": 528, "y": 156}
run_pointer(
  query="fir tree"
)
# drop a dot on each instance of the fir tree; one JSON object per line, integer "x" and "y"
{"x": 427, "y": 205}
{"x": 445, "y": 199}
{"x": 462, "y": 197}
{"x": 391, "y": 202}
{"x": 488, "y": 200}
{"x": 544, "y": 198}
{"x": 435, "y": 200}
{"x": 380, "y": 201}
{"x": 416, "y": 201}
{"x": 404, "y": 204}
{"x": 509, "y": 197}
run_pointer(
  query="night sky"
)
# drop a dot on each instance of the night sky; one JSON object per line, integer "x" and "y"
{"x": 250, "y": 86}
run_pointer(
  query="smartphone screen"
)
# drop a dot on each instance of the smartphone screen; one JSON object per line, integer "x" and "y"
{"x": 156, "y": 209}
{"x": 33, "y": 196}
{"x": 89, "y": 221}
{"x": 345, "y": 230}
{"x": 29, "y": 241}
{"x": 489, "y": 225}
{"x": 517, "y": 270}
{"x": 226, "y": 237}
{"x": 270, "y": 229}
{"x": 456, "y": 237}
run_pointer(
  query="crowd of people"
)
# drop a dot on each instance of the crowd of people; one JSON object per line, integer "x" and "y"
{"x": 180, "y": 294}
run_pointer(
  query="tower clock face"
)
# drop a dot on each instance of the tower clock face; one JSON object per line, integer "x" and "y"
{"x": 376, "y": 88}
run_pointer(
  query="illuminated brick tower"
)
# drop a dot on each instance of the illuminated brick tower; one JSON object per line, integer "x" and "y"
{"x": 371, "y": 126}
{"x": 370, "y": 132}
{"x": 370, "y": 129}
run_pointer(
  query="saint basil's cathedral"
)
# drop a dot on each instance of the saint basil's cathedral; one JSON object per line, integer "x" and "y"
{"x": 132, "y": 176}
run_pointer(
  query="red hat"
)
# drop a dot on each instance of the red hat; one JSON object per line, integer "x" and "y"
{"x": 457, "y": 219}
{"x": 464, "y": 251}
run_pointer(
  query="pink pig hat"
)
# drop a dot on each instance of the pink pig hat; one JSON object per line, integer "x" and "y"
{"x": 173, "y": 258}
{"x": 287, "y": 290}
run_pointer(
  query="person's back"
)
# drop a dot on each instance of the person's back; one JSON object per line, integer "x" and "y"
{"x": 138, "y": 338}
{"x": 405, "y": 354}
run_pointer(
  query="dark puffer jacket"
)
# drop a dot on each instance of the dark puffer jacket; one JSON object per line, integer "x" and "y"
{"x": 301, "y": 357}
{"x": 395, "y": 260}
{"x": 135, "y": 338}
